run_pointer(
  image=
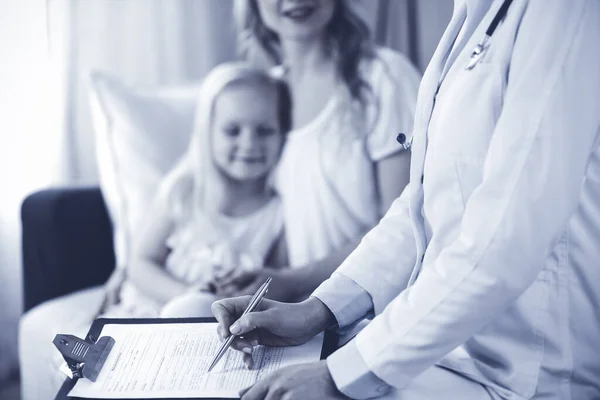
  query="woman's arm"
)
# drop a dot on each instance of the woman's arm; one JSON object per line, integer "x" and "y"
{"x": 278, "y": 256}
{"x": 392, "y": 175}
{"x": 146, "y": 270}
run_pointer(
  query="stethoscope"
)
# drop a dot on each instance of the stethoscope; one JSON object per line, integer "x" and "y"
{"x": 482, "y": 46}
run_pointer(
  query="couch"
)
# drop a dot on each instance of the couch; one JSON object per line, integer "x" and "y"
{"x": 67, "y": 242}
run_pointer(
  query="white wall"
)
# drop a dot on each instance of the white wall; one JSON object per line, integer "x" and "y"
{"x": 145, "y": 43}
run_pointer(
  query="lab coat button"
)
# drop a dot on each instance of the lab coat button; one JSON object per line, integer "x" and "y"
{"x": 401, "y": 138}
{"x": 422, "y": 179}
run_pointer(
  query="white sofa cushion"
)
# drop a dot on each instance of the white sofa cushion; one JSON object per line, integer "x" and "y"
{"x": 139, "y": 136}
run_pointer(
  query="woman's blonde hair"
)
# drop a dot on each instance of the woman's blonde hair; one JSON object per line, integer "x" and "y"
{"x": 349, "y": 38}
{"x": 190, "y": 178}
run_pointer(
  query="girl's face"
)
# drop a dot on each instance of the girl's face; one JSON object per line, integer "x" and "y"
{"x": 296, "y": 19}
{"x": 246, "y": 137}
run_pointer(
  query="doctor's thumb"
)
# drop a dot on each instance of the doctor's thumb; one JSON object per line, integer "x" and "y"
{"x": 250, "y": 322}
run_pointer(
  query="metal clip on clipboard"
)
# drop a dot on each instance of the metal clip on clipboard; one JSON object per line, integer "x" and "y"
{"x": 84, "y": 359}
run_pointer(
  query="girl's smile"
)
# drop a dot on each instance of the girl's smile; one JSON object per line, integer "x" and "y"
{"x": 246, "y": 137}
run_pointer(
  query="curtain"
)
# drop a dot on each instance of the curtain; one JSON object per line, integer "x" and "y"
{"x": 412, "y": 27}
{"x": 146, "y": 43}
{"x": 32, "y": 121}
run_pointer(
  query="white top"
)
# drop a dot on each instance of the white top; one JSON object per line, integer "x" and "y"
{"x": 326, "y": 174}
{"x": 222, "y": 242}
{"x": 488, "y": 264}
{"x": 203, "y": 245}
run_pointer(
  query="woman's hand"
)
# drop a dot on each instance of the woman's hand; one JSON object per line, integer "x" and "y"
{"x": 272, "y": 324}
{"x": 233, "y": 281}
{"x": 297, "y": 382}
{"x": 243, "y": 282}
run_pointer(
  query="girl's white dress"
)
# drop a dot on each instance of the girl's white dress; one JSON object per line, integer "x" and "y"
{"x": 205, "y": 245}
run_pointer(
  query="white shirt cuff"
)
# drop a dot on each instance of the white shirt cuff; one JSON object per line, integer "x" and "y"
{"x": 346, "y": 299}
{"x": 352, "y": 376}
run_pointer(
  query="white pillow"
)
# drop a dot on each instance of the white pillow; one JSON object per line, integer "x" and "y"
{"x": 139, "y": 134}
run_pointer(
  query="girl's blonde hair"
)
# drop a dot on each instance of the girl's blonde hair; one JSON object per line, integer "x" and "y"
{"x": 190, "y": 179}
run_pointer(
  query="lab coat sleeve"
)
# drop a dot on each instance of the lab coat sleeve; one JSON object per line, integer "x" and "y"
{"x": 382, "y": 262}
{"x": 357, "y": 382}
{"x": 531, "y": 184}
{"x": 347, "y": 301}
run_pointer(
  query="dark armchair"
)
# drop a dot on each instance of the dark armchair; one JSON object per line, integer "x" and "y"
{"x": 67, "y": 243}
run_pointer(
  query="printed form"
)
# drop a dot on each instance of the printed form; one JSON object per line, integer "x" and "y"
{"x": 171, "y": 361}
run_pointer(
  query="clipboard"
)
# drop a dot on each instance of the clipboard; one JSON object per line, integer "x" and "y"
{"x": 330, "y": 342}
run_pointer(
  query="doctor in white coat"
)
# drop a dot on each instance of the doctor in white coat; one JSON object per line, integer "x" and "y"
{"x": 484, "y": 276}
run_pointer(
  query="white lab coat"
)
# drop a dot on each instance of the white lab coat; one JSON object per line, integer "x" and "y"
{"x": 496, "y": 273}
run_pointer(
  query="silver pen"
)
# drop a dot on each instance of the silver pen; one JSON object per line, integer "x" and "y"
{"x": 254, "y": 302}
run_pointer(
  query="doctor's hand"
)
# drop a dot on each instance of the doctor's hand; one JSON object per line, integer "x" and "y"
{"x": 272, "y": 324}
{"x": 297, "y": 382}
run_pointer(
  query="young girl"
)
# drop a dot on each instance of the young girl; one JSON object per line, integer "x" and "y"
{"x": 214, "y": 212}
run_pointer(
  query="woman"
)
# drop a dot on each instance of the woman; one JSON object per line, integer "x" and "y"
{"x": 341, "y": 167}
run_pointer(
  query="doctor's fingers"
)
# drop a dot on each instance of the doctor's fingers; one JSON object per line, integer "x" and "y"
{"x": 246, "y": 345}
{"x": 265, "y": 389}
{"x": 246, "y": 342}
{"x": 248, "y": 359}
{"x": 247, "y": 351}
{"x": 258, "y": 391}
{"x": 256, "y": 323}
{"x": 227, "y": 311}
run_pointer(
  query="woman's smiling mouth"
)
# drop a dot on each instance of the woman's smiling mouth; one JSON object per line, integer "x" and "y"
{"x": 299, "y": 13}
{"x": 250, "y": 159}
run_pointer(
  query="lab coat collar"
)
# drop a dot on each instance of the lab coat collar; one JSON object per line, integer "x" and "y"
{"x": 472, "y": 4}
{"x": 438, "y": 67}
{"x": 427, "y": 93}
{"x": 476, "y": 10}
